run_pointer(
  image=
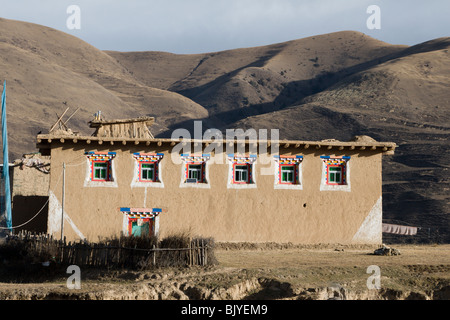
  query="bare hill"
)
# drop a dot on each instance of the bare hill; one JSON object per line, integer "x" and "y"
{"x": 235, "y": 84}
{"x": 47, "y": 70}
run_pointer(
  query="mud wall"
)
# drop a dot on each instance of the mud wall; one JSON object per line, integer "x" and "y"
{"x": 261, "y": 213}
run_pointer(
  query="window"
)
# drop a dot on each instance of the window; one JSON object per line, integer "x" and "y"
{"x": 335, "y": 174}
{"x": 241, "y": 173}
{"x": 147, "y": 170}
{"x": 195, "y": 170}
{"x": 288, "y": 172}
{"x": 100, "y": 169}
{"x": 195, "y": 173}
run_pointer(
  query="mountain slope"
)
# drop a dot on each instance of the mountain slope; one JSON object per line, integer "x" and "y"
{"x": 47, "y": 70}
{"x": 238, "y": 83}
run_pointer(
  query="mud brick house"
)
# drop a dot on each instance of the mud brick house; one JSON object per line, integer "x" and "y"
{"x": 122, "y": 179}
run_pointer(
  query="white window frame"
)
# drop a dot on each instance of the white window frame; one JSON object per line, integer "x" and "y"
{"x": 333, "y": 160}
{"x": 290, "y": 172}
{"x": 296, "y": 160}
{"x": 91, "y": 157}
{"x": 197, "y": 171}
{"x": 245, "y": 170}
{"x": 236, "y": 160}
{"x": 197, "y": 159}
{"x": 335, "y": 172}
{"x": 102, "y": 169}
{"x": 138, "y": 158}
{"x": 147, "y": 170}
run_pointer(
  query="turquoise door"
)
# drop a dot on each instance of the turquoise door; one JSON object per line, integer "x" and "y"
{"x": 142, "y": 230}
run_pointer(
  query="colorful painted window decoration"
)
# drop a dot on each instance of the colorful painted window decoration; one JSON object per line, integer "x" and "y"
{"x": 147, "y": 171}
{"x": 336, "y": 170}
{"x": 241, "y": 173}
{"x": 242, "y": 168}
{"x": 287, "y": 174}
{"x": 288, "y": 169}
{"x": 195, "y": 168}
{"x": 148, "y": 166}
{"x": 141, "y": 222}
{"x": 100, "y": 165}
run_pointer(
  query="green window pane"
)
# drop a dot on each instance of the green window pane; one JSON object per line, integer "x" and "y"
{"x": 335, "y": 174}
{"x": 287, "y": 174}
{"x": 147, "y": 171}
{"x": 195, "y": 171}
{"x": 241, "y": 173}
{"x": 100, "y": 171}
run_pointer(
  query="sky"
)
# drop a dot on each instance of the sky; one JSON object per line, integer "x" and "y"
{"x": 199, "y": 26}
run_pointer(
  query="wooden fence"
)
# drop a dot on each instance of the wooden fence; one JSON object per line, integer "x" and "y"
{"x": 105, "y": 255}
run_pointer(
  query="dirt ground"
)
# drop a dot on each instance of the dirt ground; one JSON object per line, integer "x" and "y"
{"x": 418, "y": 268}
{"x": 420, "y": 272}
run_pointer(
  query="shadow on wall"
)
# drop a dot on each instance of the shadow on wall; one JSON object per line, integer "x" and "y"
{"x": 25, "y": 208}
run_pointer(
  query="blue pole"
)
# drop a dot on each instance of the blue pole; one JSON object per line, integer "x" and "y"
{"x": 5, "y": 172}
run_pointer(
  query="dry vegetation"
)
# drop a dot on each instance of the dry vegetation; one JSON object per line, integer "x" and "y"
{"x": 267, "y": 271}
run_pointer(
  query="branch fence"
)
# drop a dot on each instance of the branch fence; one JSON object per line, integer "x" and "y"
{"x": 116, "y": 253}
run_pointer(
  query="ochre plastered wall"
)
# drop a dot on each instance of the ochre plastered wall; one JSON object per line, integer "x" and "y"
{"x": 261, "y": 214}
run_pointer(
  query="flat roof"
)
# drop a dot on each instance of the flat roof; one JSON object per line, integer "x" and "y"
{"x": 44, "y": 141}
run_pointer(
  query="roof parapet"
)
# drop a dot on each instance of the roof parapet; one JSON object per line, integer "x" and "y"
{"x": 135, "y": 128}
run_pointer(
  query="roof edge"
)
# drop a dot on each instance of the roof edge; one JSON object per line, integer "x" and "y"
{"x": 46, "y": 139}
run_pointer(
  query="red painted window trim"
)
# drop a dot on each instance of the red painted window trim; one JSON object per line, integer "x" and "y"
{"x": 248, "y": 173}
{"x": 202, "y": 178}
{"x": 342, "y": 166}
{"x": 155, "y": 173}
{"x": 108, "y": 170}
{"x": 295, "y": 173}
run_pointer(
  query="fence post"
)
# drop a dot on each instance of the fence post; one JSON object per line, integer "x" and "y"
{"x": 203, "y": 253}
{"x": 206, "y": 254}
{"x": 190, "y": 252}
{"x": 154, "y": 255}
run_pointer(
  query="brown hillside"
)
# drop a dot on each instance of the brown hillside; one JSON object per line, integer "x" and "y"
{"x": 235, "y": 84}
{"x": 44, "y": 68}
